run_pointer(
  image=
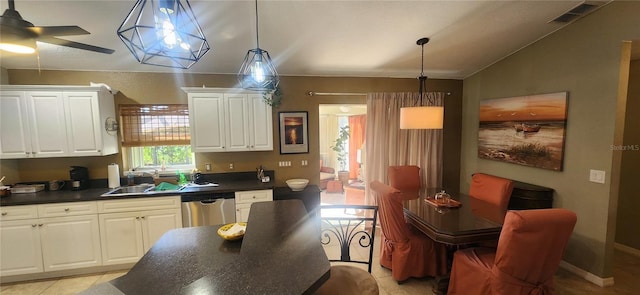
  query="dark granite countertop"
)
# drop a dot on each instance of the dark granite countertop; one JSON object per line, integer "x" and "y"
{"x": 241, "y": 181}
{"x": 280, "y": 254}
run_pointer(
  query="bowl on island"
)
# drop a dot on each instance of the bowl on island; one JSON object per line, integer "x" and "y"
{"x": 232, "y": 231}
{"x": 297, "y": 184}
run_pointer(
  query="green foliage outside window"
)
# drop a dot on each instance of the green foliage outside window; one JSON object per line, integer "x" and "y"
{"x": 167, "y": 155}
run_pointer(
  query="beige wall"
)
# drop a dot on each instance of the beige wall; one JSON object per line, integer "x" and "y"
{"x": 4, "y": 76}
{"x": 165, "y": 88}
{"x": 627, "y": 225}
{"x": 584, "y": 59}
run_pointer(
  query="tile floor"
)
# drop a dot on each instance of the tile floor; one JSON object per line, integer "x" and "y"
{"x": 63, "y": 286}
{"x": 626, "y": 272}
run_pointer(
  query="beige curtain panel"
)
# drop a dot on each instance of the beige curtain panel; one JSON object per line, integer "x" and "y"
{"x": 388, "y": 145}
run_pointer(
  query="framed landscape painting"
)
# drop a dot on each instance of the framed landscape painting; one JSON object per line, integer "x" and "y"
{"x": 294, "y": 132}
{"x": 524, "y": 130}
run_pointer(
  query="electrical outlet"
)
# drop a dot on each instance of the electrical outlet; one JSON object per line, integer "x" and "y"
{"x": 284, "y": 164}
{"x": 207, "y": 166}
{"x": 230, "y": 166}
{"x": 597, "y": 176}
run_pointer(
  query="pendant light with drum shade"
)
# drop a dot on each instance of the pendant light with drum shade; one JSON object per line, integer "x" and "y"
{"x": 257, "y": 71}
{"x": 164, "y": 33}
{"x": 422, "y": 117}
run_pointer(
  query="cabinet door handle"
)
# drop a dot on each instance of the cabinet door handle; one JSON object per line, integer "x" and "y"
{"x": 40, "y": 224}
{"x": 138, "y": 217}
{"x": 254, "y": 197}
{"x": 142, "y": 217}
{"x": 4, "y": 213}
{"x": 66, "y": 209}
{"x": 34, "y": 225}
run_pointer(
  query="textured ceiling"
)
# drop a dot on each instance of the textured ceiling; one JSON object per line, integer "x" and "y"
{"x": 311, "y": 38}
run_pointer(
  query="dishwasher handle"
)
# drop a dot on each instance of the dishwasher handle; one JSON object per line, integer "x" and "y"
{"x": 209, "y": 201}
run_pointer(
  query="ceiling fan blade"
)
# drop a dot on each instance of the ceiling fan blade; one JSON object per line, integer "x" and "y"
{"x": 62, "y": 42}
{"x": 58, "y": 30}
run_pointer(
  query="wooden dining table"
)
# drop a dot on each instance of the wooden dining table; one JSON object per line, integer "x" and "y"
{"x": 474, "y": 221}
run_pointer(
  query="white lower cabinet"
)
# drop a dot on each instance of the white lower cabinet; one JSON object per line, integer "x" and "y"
{"x": 34, "y": 245}
{"x": 63, "y": 236}
{"x": 244, "y": 199}
{"x": 20, "y": 250}
{"x": 70, "y": 242}
{"x": 130, "y": 227}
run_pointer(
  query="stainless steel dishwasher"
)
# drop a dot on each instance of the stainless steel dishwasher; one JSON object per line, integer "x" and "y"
{"x": 208, "y": 209}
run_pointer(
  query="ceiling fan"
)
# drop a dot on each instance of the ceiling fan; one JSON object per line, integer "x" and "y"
{"x": 20, "y": 36}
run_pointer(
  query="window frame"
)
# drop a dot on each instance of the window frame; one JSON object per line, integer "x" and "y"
{"x": 135, "y": 157}
{"x": 136, "y": 117}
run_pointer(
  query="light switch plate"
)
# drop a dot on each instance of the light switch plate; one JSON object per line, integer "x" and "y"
{"x": 596, "y": 176}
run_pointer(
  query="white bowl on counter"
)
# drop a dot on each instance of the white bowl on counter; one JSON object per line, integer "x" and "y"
{"x": 297, "y": 184}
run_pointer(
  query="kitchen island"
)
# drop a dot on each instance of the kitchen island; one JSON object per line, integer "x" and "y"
{"x": 280, "y": 254}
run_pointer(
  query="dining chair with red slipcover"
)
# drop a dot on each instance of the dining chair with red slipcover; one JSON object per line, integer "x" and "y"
{"x": 493, "y": 189}
{"x": 529, "y": 251}
{"x": 404, "y": 178}
{"x": 405, "y": 250}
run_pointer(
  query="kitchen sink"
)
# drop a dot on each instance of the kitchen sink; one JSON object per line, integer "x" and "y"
{"x": 144, "y": 189}
{"x": 139, "y": 189}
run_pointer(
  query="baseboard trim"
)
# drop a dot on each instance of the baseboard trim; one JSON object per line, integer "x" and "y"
{"x": 65, "y": 273}
{"x": 602, "y": 282}
{"x": 627, "y": 249}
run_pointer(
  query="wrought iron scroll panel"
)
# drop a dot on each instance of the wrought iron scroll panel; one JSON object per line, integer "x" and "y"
{"x": 356, "y": 222}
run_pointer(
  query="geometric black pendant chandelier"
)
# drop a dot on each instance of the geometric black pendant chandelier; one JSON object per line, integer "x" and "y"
{"x": 163, "y": 33}
{"x": 257, "y": 71}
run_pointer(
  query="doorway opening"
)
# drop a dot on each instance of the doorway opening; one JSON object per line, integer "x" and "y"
{"x": 342, "y": 154}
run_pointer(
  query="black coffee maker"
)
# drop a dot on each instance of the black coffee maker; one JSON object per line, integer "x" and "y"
{"x": 79, "y": 177}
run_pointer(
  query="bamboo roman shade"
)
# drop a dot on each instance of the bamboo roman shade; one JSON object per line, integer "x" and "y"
{"x": 153, "y": 124}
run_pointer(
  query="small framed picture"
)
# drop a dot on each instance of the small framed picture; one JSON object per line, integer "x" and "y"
{"x": 294, "y": 132}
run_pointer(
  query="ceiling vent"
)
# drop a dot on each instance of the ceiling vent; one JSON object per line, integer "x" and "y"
{"x": 579, "y": 11}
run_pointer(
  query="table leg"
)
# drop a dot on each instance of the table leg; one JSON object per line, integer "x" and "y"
{"x": 441, "y": 283}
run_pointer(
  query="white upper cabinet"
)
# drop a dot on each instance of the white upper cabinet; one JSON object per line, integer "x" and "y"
{"x": 206, "y": 122}
{"x": 237, "y": 112}
{"x": 47, "y": 124}
{"x": 229, "y": 120}
{"x": 15, "y": 140}
{"x": 262, "y": 124}
{"x": 55, "y": 121}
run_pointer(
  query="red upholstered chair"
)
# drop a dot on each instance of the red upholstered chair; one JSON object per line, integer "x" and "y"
{"x": 529, "y": 251}
{"x": 404, "y": 250}
{"x": 493, "y": 189}
{"x": 404, "y": 178}
{"x": 326, "y": 174}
